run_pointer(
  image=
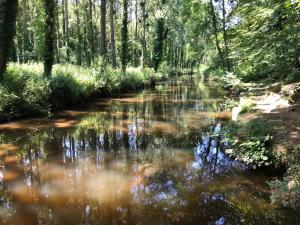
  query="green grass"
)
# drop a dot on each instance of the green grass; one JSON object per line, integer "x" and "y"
{"x": 26, "y": 92}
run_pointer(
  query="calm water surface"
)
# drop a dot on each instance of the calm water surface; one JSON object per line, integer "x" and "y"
{"x": 151, "y": 158}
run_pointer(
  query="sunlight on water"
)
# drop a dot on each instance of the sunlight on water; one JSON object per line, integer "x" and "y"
{"x": 152, "y": 158}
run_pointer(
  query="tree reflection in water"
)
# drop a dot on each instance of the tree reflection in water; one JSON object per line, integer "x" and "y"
{"x": 154, "y": 158}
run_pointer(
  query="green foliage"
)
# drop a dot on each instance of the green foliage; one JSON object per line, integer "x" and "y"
{"x": 231, "y": 82}
{"x": 159, "y": 37}
{"x": 26, "y": 92}
{"x": 8, "y": 13}
{"x": 134, "y": 80}
{"x": 23, "y": 92}
{"x": 247, "y": 105}
{"x": 264, "y": 42}
{"x": 124, "y": 34}
{"x": 287, "y": 191}
{"x": 251, "y": 142}
{"x": 50, "y": 10}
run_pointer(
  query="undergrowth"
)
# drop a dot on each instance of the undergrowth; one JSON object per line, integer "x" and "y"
{"x": 26, "y": 92}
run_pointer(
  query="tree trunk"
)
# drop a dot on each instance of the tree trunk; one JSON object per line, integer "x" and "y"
{"x": 67, "y": 29}
{"x": 49, "y": 6}
{"x": 136, "y": 53}
{"x": 225, "y": 37}
{"x": 58, "y": 37}
{"x": 8, "y": 9}
{"x": 144, "y": 42}
{"x": 79, "y": 37}
{"x": 103, "y": 30}
{"x": 91, "y": 31}
{"x": 63, "y": 22}
{"x": 112, "y": 33}
{"x": 124, "y": 44}
{"x": 214, "y": 20}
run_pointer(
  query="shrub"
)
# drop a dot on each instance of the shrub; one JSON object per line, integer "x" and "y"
{"x": 251, "y": 142}
{"x": 287, "y": 191}
{"x": 25, "y": 91}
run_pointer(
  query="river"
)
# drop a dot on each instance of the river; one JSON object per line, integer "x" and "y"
{"x": 156, "y": 157}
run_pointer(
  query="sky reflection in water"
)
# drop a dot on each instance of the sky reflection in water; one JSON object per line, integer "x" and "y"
{"x": 144, "y": 159}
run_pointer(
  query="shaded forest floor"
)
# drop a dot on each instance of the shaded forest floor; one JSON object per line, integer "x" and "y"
{"x": 280, "y": 110}
{"x": 269, "y": 109}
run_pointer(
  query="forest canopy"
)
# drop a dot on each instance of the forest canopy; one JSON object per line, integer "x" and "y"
{"x": 128, "y": 44}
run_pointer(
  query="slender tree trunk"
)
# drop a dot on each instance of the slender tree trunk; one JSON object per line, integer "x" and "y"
{"x": 25, "y": 32}
{"x": 8, "y": 14}
{"x": 136, "y": 53}
{"x": 49, "y": 6}
{"x": 79, "y": 36}
{"x": 67, "y": 29}
{"x": 112, "y": 33}
{"x": 103, "y": 30}
{"x": 58, "y": 37}
{"x": 225, "y": 37}
{"x": 144, "y": 42}
{"x": 124, "y": 47}
{"x": 91, "y": 31}
{"x": 214, "y": 21}
{"x": 63, "y": 22}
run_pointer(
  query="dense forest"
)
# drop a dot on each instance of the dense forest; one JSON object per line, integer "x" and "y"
{"x": 257, "y": 40}
{"x": 133, "y": 86}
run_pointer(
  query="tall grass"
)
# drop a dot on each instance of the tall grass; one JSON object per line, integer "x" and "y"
{"x": 26, "y": 92}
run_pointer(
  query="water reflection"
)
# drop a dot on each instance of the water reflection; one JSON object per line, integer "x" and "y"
{"x": 152, "y": 158}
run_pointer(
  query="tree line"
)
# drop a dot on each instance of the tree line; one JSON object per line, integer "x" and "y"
{"x": 254, "y": 40}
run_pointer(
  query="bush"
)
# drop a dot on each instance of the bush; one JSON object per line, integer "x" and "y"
{"x": 23, "y": 92}
{"x": 26, "y": 92}
{"x": 287, "y": 191}
{"x": 251, "y": 142}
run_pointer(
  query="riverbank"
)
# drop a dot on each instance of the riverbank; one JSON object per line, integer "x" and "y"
{"x": 25, "y": 92}
{"x": 266, "y": 132}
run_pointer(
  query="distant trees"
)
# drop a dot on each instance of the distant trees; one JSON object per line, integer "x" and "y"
{"x": 178, "y": 34}
{"x": 8, "y": 14}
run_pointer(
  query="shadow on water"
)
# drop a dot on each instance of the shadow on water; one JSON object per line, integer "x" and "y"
{"x": 152, "y": 158}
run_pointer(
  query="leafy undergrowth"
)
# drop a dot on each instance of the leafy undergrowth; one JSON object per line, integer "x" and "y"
{"x": 287, "y": 190}
{"x": 26, "y": 92}
{"x": 251, "y": 142}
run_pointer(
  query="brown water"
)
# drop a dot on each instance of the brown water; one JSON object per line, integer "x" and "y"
{"x": 151, "y": 158}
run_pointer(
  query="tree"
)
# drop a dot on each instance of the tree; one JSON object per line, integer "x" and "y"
{"x": 103, "y": 30}
{"x": 215, "y": 31}
{"x": 90, "y": 31}
{"x": 112, "y": 33}
{"x": 225, "y": 36}
{"x": 8, "y": 14}
{"x": 143, "y": 39}
{"x": 79, "y": 36}
{"x": 160, "y": 35}
{"x": 50, "y": 6}
{"x": 124, "y": 44}
{"x": 66, "y": 6}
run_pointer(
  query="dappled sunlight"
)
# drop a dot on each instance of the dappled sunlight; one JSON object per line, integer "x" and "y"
{"x": 64, "y": 123}
{"x": 38, "y": 124}
{"x": 273, "y": 101}
{"x": 135, "y": 100}
{"x": 159, "y": 150}
{"x": 165, "y": 128}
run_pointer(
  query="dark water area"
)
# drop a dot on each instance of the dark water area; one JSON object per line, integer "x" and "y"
{"x": 150, "y": 158}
